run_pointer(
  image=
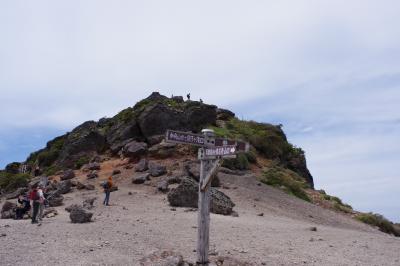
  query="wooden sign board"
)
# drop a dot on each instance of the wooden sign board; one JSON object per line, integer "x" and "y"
{"x": 220, "y": 151}
{"x": 184, "y": 138}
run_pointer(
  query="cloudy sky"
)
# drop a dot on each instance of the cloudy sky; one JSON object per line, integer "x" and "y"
{"x": 329, "y": 71}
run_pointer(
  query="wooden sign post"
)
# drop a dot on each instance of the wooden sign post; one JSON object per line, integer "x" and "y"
{"x": 211, "y": 151}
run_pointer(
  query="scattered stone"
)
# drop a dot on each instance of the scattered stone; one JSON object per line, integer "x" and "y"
{"x": 92, "y": 175}
{"x": 64, "y": 187}
{"x": 68, "y": 174}
{"x": 173, "y": 209}
{"x": 114, "y": 188}
{"x": 134, "y": 149}
{"x": 260, "y": 214}
{"x": 142, "y": 166}
{"x": 80, "y": 215}
{"x": 3, "y": 235}
{"x": 313, "y": 228}
{"x": 88, "y": 203}
{"x": 234, "y": 214}
{"x": 129, "y": 193}
{"x": 162, "y": 186}
{"x": 164, "y": 258}
{"x": 89, "y": 187}
{"x": 91, "y": 166}
{"x": 141, "y": 179}
{"x": 156, "y": 169}
{"x": 116, "y": 172}
{"x": 80, "y": 185}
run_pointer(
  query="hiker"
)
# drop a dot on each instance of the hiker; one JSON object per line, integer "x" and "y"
{"x": 36, "y": 172}
{"x": 23, "y": 206}
{"x": 34, "y": 197}
{"x": 42, "y": 200}
{"x": 107, "y": 189}
{"x": 188, "y": 96}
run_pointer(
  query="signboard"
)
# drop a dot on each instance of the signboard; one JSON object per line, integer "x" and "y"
{"x": 184, "y": 138}
{"x": 220, "y": 151}
{"x": 240, "y": 145}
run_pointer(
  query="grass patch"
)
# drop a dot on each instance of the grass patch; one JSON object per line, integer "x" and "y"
{"x": 292, "y": 183}
{"x": 51, "y": 170}
{"x": 241, "y": 162}
{"x": 10, "y": 182}
{"x": 379, "y": 221}
{"x": 81, "y": 161}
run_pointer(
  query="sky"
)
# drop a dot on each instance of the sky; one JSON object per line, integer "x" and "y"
{"x": 329, "y": 71}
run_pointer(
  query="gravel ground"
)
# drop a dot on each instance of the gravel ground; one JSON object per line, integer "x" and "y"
{"x": 139, "y": 224}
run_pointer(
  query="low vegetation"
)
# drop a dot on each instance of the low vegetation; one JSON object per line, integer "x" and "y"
{"x": 379, "y": 221}
{"x": 241, "y": 162}
{"x": 10, "y": 182}
{"x": 287, "y": 180}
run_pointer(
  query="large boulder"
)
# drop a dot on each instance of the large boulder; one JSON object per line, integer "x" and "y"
{"x": 80, "y": 215}
{"x": 85, "y": 140}
{"x": 64, "y": 187}
{"x": 156, "y": 169}
{"x": 8, "y": 210}
{"x": 93, "y": 166}
{"x": 142, "y": 166}
{"x": 134, "y": 149}
{"x": 141, "y": 179}
{"x": 162, "y": 150}
{"x": 55, "y": 200}
{"x": 186, "y": 195}
{"x": 68, "y": 174}
{"x": 192, "y": 169}
{"x": 15, "y": 194}
{"x": 162, "y": 186}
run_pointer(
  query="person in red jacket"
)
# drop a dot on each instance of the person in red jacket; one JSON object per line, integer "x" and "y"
{"x": 35, "y": 200}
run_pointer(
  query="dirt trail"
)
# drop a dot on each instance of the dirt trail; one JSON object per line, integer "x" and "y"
{"x": 139, "y": 224}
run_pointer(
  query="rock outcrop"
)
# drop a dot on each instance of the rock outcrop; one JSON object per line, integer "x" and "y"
{"x": 186, "y": 195}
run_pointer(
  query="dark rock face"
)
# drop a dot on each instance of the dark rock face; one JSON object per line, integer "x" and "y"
{"x": 192, "y": 169}
{"x": 142, "y": 166}
{"x": 80, "y": 215}
{"x": 162, "y": 150}
{"x": 134, "y": 149}
{"x": 84, "y": 139}
{"x": 156, "y": 169}
{"x": 64, "y": 187}
{"x": 223, "y": 114}
{"x": 141, "y": 179}
{"x": 16, "y": 193}
{"x": 68, "y": 174}
{"x": 13, "y": 168}
{"x": 186, "y": 195}
{"x": 123, "y": 131}
{"x": 298, "y": 164}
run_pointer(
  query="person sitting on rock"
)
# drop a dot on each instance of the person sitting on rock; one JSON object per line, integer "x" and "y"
{"x": 23, "y": 206}
{"x": 107, "y": 190}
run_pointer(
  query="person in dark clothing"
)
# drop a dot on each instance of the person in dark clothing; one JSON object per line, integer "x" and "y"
{"x": 23, "y": 206}
{"x": 188, "y": 96}
{"x": 37, "y": 171}
{"x": 35, "y": 198}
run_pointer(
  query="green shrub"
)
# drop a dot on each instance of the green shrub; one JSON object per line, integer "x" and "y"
{"x": 379, "y": 221}
{"x": 81, "y": 161}
{"x": 239, "y": 163}
{"x": 343, "y": 208}
{"x": 126, "y": 114}
{"x": 51, "y": 170}
{"x": 47, "y": 157}
{"x": 10, "y": 182}
{"x": 290, "y": 181}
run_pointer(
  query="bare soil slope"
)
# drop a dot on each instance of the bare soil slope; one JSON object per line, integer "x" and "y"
{"x": 140, "y": 221}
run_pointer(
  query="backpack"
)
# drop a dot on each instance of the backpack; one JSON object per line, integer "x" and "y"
{"x": 105, "y": 185}
{"x": 35, "y": 195}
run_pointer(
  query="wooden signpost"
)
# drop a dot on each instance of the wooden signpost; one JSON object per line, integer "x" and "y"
{"x": 211, "y": 151}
